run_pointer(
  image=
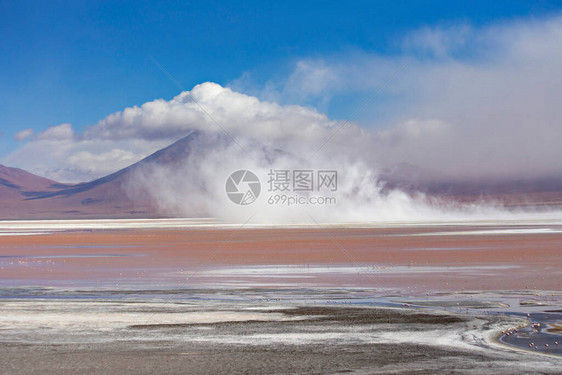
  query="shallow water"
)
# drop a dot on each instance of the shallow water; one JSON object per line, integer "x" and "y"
{"x": 100, "y": 301}
{"x": 86, "y": 279}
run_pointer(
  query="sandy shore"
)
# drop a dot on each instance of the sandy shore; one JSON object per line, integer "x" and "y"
{"x": 109, "y": 337}
{"x": 111, "y": 299}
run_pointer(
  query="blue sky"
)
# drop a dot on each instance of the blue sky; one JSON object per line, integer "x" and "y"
{"x": 78, "y": 61}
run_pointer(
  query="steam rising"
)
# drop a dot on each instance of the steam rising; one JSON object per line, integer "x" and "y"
{"x": 194, "y": 185}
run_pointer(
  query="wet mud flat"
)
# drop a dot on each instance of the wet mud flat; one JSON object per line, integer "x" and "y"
{"x": 159, "y": 297}
{"x": 209, "y": 337}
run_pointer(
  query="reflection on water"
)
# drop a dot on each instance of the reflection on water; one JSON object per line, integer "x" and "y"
{"x": 539, "y": 333}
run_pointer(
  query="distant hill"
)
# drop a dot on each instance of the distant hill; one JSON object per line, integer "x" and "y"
{"x": 17, "y": 185}
{"x": 26, "y": 196}
{"x": 516, "y": 192}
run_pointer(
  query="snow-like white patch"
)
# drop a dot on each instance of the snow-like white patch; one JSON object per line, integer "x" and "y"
{"x": 22, "y": 233}
{"x": 539, "y": 221}
{"x": 491, "y": 232}
{"x": 284, "y": 271}
{"x": 29, "y": 316}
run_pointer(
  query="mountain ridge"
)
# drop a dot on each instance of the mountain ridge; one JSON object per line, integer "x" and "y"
{"x": 24, "y": 195}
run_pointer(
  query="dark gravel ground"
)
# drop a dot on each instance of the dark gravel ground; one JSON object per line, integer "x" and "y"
{"x": 202, "y": 350}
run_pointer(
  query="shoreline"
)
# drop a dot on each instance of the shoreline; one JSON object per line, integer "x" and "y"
{"x": 280, "y": 300}
{"x": 281, "y": 338}
{"x": 531, "y": 219}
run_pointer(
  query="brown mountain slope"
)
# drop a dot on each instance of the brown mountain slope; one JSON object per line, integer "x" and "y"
{"x": 107, "y": 197}
{"x": 517, "y": 192}
{"x": 17, "y": 186}
{"x": 26, "y": 196}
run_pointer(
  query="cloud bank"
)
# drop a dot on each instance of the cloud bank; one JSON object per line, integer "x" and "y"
{"x": 471, "y": 103}
{"x": 129, "y": 135}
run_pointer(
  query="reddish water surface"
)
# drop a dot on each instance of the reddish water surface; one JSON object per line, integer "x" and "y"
{"x": 414, "y": 258}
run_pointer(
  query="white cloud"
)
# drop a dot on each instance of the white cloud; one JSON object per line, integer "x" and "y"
{"x": 60, "y": 132}
{"x": 439, "y": 42}
{"x": 125, "y": 137}
{"x": 492, "y": 114}
{"x": 236, "y": 112}
{"x": 494, "y": 89}
{"x": 78, "y": 160}
{"x": 23, "y": 135}
{"x": 96, "y": 163}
